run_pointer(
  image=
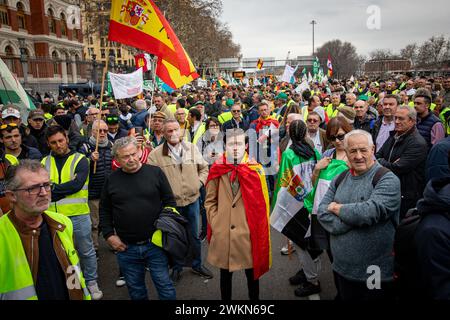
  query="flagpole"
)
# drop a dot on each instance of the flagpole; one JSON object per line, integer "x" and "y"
{"x": 105, "y": 70}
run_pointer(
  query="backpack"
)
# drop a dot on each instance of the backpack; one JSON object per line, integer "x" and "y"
{"x": 376, "y": 178}
{"x": 405, "y": 249}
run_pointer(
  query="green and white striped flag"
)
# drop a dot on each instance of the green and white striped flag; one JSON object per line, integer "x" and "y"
{"x": 327, "y": 175}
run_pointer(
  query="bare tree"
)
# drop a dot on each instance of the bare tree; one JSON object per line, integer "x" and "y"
{"x": 381, "y": 54}
{"x": 344, "y": 57}
{"x": 434, "y": 51}
{"x": 410, "y": 52}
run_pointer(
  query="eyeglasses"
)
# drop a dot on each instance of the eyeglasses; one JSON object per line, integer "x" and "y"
{"x": 340, "y": 137}
{"x": 213, "y": 126}
{"x": 326, "y": 100}
{"x": 236, "y": 111}
{"x": 313, "y": 120}
{"x": 36, "y": 189}
{"x": 103, "y": 130}
{"x": 10, "y": 125}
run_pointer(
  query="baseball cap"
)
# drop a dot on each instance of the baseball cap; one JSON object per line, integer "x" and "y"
{"x": 10, "y": 112}
{"x": 282, "y": 96}
{"x": 36, "y": 114}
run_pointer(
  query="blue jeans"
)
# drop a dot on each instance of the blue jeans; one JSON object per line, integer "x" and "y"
{"x": 83, "y": 244}
{"x": 192, "y": 213}
{"x": 132, "y": 263}
{"x": 203, "y": 210}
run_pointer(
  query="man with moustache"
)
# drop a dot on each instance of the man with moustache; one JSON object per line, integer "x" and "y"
{"x": 38, "y": 259}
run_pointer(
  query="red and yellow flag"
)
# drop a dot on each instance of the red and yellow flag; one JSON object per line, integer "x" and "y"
{"x": 255, "y": 196}
{"x": 260, "y": 64}
{"x": 140, "y": 24}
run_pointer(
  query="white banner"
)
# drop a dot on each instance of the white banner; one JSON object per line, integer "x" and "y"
{"x": 127, "y": 85}
{"x": 288, "y": 73}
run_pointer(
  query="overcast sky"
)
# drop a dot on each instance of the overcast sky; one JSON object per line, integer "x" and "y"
{"x": 271, "y": 28}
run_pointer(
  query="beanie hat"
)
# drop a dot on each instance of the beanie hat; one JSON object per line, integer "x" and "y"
{"x": 321, "y": 112}
{"x": 230, "y": 102}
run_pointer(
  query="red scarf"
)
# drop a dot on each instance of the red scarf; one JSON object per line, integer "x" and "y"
{"x": 260, "y": 123}
{"x": 256, "y": 202}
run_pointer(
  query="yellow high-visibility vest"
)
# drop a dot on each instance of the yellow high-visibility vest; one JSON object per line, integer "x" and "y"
{"x": 75, "y": 204}
{"x": 16, "y": 280}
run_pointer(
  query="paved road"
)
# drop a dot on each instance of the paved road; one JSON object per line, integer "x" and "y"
{"x": 273, "y": 286}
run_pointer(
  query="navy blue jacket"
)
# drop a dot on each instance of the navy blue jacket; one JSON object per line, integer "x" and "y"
{"x": 437, "y": 161}
{"x": 138, "y": 119}
{"x": 433, "y": 239}
{"x": 231, "y": 125}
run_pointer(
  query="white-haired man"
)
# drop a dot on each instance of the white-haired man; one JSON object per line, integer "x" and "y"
{"x": 360, "y": 211}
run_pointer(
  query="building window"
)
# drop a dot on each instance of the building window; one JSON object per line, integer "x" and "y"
{"x": 68, "y": 65}
{"x": 55, "y": 63}
{"x": 63, "y": 25}
{"x": 102, "y": 42}
{"x": 119, "y": 53}
{"x": 91, "y": 41}
{"x": 102, "y": 51}
{"x": 9, "y": 59}
{"x": 4, "y": 17}
{"x": 51, "y": 21}
{"x": 21, "y": 21}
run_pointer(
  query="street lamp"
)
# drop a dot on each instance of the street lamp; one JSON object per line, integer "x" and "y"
{"x": 314, "y": 22}
{"x": 112, "y": 59}
{"x": 94, "y": 68}
{"x": 23, "y": 59}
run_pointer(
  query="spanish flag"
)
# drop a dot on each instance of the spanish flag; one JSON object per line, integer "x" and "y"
{"x": 260, "y": 64}
{"x": 255, "y": 196}
{"x": 140, "y": 24}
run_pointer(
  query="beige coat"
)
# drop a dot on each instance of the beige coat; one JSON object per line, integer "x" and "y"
{"x": 230, "y": 246}
{"x": 185, "y": 178}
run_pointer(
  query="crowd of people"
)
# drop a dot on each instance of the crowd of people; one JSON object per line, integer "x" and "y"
{"x": 337, "y": 168}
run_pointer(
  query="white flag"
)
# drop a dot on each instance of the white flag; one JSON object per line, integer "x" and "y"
{"x": 310, "y": 78}
{"x": 127, "y": 85}
{"x": 256, "y": 82}
{"x": 302, "y": 87}
{"x": 325, "y": 80}
{"x": 352, "y": 79}
{"x": 288, "y": 73}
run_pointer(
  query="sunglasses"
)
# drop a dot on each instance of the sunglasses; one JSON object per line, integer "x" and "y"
{"x": 112, "y": 119}
{"x": 236, "y": 111}
{"x": 9, "y": 125}
{"x": 340, "y": 137}
{"x": 313, "y": 120}
{"x": 103, "y": 130}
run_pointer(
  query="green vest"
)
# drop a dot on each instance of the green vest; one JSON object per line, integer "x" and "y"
{"x": 75, "y": 204}
{"x": 16, "y": 280}
{"x": 224, "y": 117}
